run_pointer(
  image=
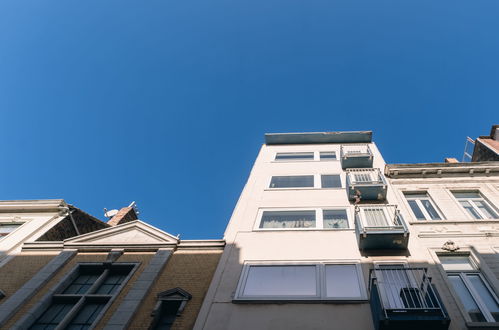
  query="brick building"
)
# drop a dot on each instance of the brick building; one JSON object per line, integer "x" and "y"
{"x": 123, "y": 274}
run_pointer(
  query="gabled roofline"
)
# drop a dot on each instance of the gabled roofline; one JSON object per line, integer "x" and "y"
{"x": 318, "y": 137}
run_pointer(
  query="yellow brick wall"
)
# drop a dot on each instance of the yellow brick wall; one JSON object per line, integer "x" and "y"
{"x": 81, "y": 257}
{"x": 144, "y": 259}
{"x": 189, "y": 270}
{"x": 19, "y": 270}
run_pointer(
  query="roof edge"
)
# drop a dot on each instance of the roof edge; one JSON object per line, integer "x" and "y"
{"x": 318, "y": 137}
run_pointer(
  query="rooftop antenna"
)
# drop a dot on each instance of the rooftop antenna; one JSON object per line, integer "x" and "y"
{"x": 468, "y": 149}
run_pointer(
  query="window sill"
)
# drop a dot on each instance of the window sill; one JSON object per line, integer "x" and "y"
{"x": 482, "y": 325}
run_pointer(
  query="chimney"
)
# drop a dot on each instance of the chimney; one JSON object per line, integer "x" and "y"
{"x": 126, "y": 214}
{"x": 451, "y": 160}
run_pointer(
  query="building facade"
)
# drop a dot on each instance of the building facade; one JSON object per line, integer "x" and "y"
{"x": 126, "y": 275}
{"x": 324, "y": 237}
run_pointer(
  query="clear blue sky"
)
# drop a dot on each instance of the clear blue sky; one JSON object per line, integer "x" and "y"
{"x": 166, "y": 102}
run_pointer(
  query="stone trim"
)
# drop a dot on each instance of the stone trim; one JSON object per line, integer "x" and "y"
{"x": 123, "y": 315}
{"x": 30, "y": 288}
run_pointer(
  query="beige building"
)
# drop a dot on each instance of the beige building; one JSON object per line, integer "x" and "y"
{"x": 321, "y": 239}
{"x": 126, "y": 275}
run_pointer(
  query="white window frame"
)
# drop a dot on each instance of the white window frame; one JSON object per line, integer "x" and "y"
{"x": 316, "y": 158}
{"x": 319, "y": 218}
{"x": 471, "y": 202}
{"x": 421, "y": 207}
{"x": 320, "y": 277}
{"x": 475, "y": 296}
{"x": 317, "y": 182}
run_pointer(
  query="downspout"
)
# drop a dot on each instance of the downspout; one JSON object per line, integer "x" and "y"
{"x": 72, "y": 220}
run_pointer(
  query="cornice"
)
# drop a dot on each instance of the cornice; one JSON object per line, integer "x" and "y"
{"x": 440, "y": 170}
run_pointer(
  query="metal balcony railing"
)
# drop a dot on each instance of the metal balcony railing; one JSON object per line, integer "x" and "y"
{"x": 377, "y": 218}
{"x": 366, "y": 184}
{"x": 356, "y": 156}
{"x": 400, "y": 290}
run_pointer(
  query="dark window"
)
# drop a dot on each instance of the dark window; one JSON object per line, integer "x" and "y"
{"x": 298, "y": 181}
{"x": 330, "y": 181}
{"x": 81, "y": 301}
{"x": 294, "y": 156}
{"x": 328, "y": 155}
{"x": 170, "y": 305}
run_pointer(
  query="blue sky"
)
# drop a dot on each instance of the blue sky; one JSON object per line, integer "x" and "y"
{"x": 165, "y": 102}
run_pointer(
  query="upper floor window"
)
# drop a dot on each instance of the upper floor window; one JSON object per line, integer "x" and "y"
{"x": 422, "y": 206}
{"x": 304, "y": 219}
{"x": 297, "y": 181}
{"x": 327, "y": 155}
{"x": 170, "y": 304}
{"x": 474, "y": 203}
{"x": 301, "y": 281}
{"x": 475, "y": 293}
{"x": 306, "y": 181}
{"x": 289, "y": 156}
{"x": 78, "y": 304}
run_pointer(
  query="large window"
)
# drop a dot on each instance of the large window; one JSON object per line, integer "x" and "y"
{"x": 476, "y": 295}
{"x": 422, "y": 206}
{"x": 475, "y": 205}
{"x": 297, "y": 181}
{"x": 327, "y": 155}
{"x": 306, "y": 181}
{"x": 303, "y": 219}
{"x": 292, "y": 156}
{"x": 302, "y": 281}
{"x": 77, "y": 304}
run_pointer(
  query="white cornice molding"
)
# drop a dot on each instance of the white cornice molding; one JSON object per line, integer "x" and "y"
{"x": 41, "y": 205}
{"x": 439, "y": 170}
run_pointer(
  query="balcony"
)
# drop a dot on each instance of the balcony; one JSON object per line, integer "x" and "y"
{"x": 366, "y": 184}
{"x": 380, "y": 227}
{"x": 405, "y": 298}
{"x": 356, "y": 156}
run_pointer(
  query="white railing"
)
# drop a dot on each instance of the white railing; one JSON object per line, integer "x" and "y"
{"x": 379, "y": 218}
{"x": 364, "y": 176}
{"x": 355, "y": 150}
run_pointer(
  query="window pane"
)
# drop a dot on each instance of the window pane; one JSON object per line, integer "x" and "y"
{"x": 417, "y": 211}
{"x": 330, "y": 181}
{"x": 485, "y": 295}
{"x": 300, "y": 181}
{"x": 456, "y": 262}
{"x": 86, "y": 315}
{"x": 82, "y": 283}
{"x": 467, "y": 206}
{"x": 466, "y": 194}
{"x": 342, "y": 281}
{"x": 466, "y": 299}
{"x": 430, "y": 209}
{"x": 288, "y": 219}
{"x": 294, "y": 156}
{"x": 335, "y": 219}
{"x": 281, "y": 281}
{"x": 328, "y": 155}
{"x": 486, "y": 209}
{"x": 111, "y": 283}
{"x": 52, "y": 316}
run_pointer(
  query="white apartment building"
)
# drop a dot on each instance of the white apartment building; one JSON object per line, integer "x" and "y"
{"x": 321, "y": 239}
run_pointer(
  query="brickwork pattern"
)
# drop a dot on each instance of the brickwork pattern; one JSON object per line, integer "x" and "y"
{"x": 19, "y": 270}
{"x": 189, "y": 270}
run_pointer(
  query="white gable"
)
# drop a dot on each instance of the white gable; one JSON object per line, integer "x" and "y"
{"x": 134, "y": 232}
